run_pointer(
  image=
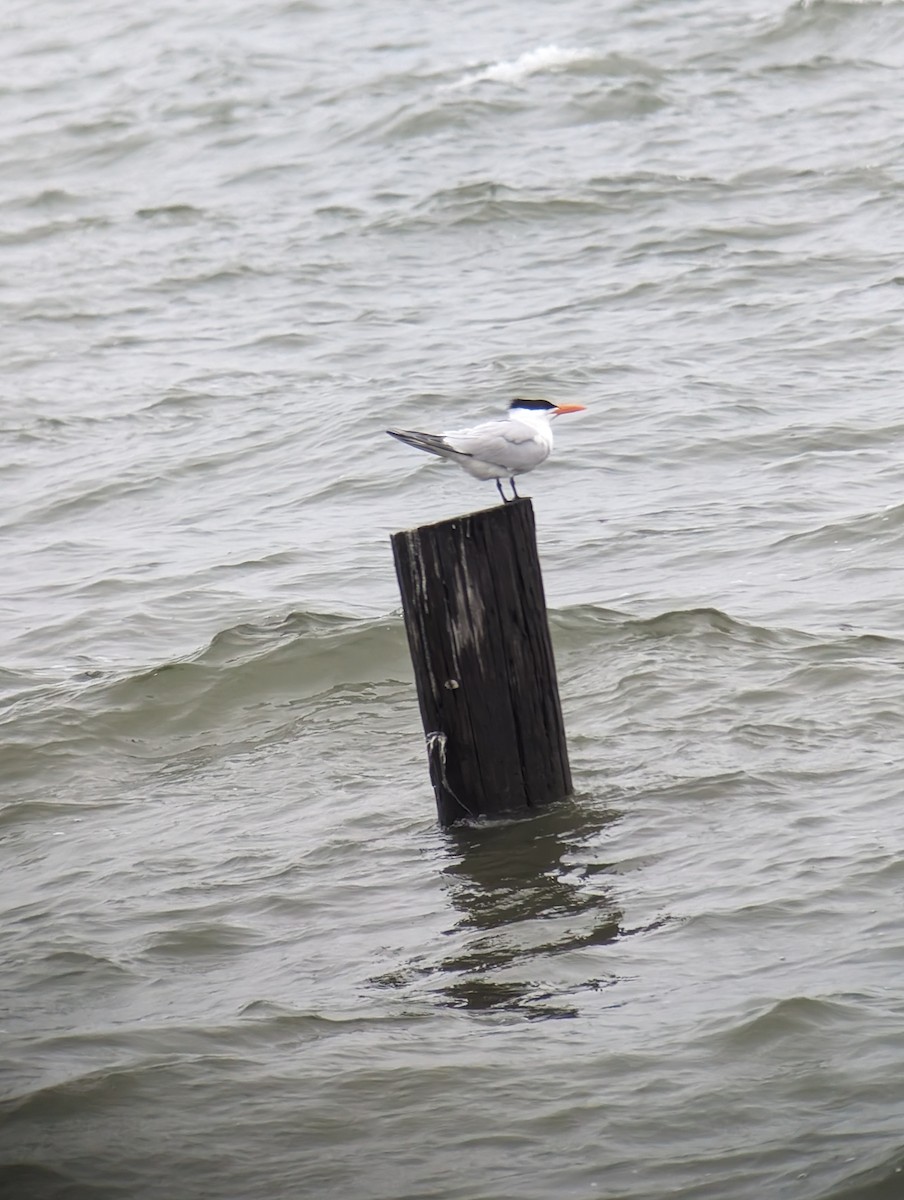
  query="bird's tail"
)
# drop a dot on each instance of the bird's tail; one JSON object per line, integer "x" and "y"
{"x": 433, "y": 443}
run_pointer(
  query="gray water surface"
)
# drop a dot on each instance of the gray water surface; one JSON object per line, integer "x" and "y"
{"x": 239, "y": 957}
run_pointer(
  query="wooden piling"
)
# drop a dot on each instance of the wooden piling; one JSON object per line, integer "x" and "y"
{"x": 472, "y": 595}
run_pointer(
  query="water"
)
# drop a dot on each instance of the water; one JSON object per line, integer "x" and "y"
{"x": 239, "y": 957}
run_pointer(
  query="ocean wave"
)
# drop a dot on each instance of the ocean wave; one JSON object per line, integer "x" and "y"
{"x": 574, "y": 626}
{"x": 422, "y": 105}
{"x": 488, "y": 201}
{"x": 256, "y": 682}
{"x": 859, "y": 530}
{"x": 531, "y": 62}
{"x": 840, "y": 21}
{"x": 44, "y": 230}
{"x": 32, "y": 1181}
{"x": 247, "y": 682}
{"x": 199, "y": 939}
{"x": 841, "y": 5}
{"x": 793, "y": 1017}
{"x": 491, "y": 200}
{"x": 883, "y": 1181}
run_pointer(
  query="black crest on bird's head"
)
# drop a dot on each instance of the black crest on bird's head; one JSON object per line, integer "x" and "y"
{"x": 536, "y": 405}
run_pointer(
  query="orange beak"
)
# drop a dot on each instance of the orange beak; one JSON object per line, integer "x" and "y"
{"x": 567, "y": 408}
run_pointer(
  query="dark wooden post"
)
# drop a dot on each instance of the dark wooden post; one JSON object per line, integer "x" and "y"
{"x": 472, "y": 594}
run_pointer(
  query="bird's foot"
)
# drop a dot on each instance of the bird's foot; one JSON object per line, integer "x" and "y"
{"x": 508, "y": 499}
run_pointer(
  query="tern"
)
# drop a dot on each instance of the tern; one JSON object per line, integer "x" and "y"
{"x": 496, "y": 449}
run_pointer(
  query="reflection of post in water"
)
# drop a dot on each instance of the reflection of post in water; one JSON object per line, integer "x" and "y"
{"x": 528, "y": 892}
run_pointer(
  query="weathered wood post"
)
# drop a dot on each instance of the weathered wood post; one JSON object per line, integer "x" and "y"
{"x": 472, "y": 594}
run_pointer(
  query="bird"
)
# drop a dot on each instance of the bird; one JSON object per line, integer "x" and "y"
{"x": 498, "y": 449}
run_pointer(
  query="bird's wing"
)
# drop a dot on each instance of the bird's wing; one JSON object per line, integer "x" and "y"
{"x": 433, "y": 443}
{"x": 509, "y": 444}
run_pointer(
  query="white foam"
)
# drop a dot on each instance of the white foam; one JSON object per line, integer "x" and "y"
{"x": 545, "y": 58}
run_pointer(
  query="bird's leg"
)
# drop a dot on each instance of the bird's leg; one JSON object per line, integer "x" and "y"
{"x": 515, "y": 495}
{"x": 501, "y": 492}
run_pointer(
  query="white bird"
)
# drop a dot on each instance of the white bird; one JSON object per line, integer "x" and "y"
{"x": 496, "y": 449}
